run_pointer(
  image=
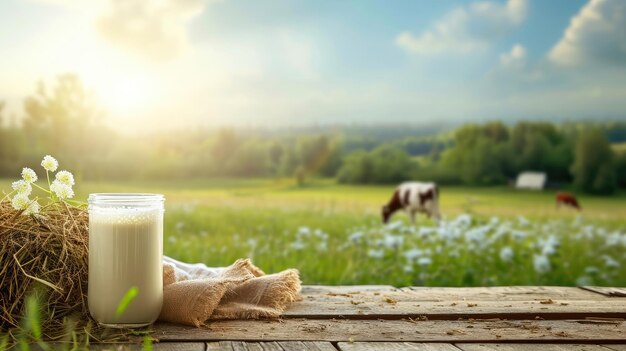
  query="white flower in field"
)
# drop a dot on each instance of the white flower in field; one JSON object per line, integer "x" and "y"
{"x": 463, "y": 221}
{"x": 408, "y": 269}
{"x": 610, "y": 262}
{"x": 518, "y": 234}
{"x": 252, "y": 242}
{"x": 412, "y": 254}
{"x": 612, "y": 239}
{"x": 376, "y": 253}
{"x": 322, "y": 246}
{"x": 393, "y": 241}
{"x": 62, "y": 191}
{"x": 584, "y": 280}
{"x": 426, "y": 231}
{"x": 394, "y": 225}
{"x": 29, "y": 175}
{"x": 592, "y": 270}
{"x": 22, "y": 187}
{"x": 541, "y": 264}
{"x": 20, "y": 201}
{"x": 65, "y": 177}
{"x": 523, "y": 221}
{"x": 304, "y": 231}
{"x": 49, "y": 163}
{"x": 424, "y": 261}
{"x": 298, "y": 245}
{"x": 356, "y": 237}
{"x": 477, "y": 234}
{"x": 33, "y": 208}
{"x": 506, "y": 254}
{"x": 549, "y": 245}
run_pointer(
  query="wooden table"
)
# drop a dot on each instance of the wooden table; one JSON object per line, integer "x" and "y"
{"x": 331, "y": 318}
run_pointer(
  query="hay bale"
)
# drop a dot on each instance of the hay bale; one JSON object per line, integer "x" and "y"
{"x": 50, "y": 250}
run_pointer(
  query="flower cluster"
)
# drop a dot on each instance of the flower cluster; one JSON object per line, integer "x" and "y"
{"x": 59, "y": 189}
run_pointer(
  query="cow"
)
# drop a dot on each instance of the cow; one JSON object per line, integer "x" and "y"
{"x": 414, "y": 197}
{"x": 567, "y": 199}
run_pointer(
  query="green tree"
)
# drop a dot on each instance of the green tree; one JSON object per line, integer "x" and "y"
{"x": 593, "y": 169}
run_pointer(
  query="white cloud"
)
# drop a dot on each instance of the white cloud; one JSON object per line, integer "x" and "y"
{"x": 516, "y": 58}
{"x": 596, "y": 35}
{"x": 154, "y": 29}
{"x": 467, "y": 29}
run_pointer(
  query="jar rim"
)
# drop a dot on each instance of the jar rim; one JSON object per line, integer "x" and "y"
{"x": 125, "y": 197}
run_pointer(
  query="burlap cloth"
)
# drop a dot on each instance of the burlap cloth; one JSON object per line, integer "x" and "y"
{"x": 195, "y": 293}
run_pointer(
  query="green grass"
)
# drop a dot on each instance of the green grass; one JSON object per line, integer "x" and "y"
{"x": 316, "y": 229}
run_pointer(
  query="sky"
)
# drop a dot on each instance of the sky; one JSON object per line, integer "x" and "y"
{"x": 181, "y": 63}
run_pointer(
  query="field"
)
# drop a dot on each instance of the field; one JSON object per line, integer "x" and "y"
{"x": 333, "y": 234}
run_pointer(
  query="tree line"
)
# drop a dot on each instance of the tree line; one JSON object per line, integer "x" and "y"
{"x": 64, "y": 120}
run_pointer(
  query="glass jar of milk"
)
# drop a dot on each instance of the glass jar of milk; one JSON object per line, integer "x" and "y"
{"x": 125, "y": 258}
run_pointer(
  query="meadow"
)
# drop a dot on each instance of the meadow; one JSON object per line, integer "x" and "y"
{"x": 333, "y": 233}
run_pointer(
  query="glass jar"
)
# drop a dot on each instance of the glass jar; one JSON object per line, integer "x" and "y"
{"x": 125, "y": 258}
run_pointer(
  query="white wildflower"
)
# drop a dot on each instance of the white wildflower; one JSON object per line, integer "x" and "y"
{"x": 49, "y": 163}
{"x": 29, "y": 175}
{"x": 394, "y": 225}
{"x": 356, "y": 236}
{"x": 22, "y": 187}
{"x": 424, "y": 261}
{"x": 62, "y": 191}
{"x": 33, "y": 208}
{"x": 592, "y": 270}
{"x": 322, "y": 246}
{"x": 408, "y": 269}
{"x": 304, "y": 231}
{"x": 20, "y": 201}
{"x": 412, "y": 254}
{"x": 506, "y": 254}
{"x": 610, "y": 261}
{"x": 298, "y": 245}
{"x": 584, "y": 280}
{"x": 376, "y": 253}
{"x": 393, "y": 241}
{"x": 541, "y": 263}
{"x": 523, "y": 221}
{"x": 65, "y": 177}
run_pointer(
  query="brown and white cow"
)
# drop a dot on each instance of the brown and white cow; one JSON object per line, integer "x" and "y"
{"x": 567, "y": 199}
{"x": 414, "y": 197}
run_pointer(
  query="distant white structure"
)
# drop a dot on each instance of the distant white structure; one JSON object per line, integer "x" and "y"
{"x": 531, "y": 180}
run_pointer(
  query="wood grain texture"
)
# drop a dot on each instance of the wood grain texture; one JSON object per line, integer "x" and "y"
{"x": 453, "y": 303}
{"x": 162, "y": 346}
{"x": 615, "y": 347}
{"x": 530, "y": 347}
{"x": 270, "y": 346}
{"x": 395, "y": 346}
{"x": 501, "y": 293}
{"x": 606, "y": 291}
{"x": 335, "y": 330}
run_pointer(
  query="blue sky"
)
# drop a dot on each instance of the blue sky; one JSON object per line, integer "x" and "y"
{"x": 200, "y": 62}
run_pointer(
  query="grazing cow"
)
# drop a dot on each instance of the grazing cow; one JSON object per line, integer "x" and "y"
{"x": 567, "y": 199}
{"x": 414, "y": 197}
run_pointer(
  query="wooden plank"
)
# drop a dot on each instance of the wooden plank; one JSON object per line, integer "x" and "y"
{"x": 270, "y": 346}
{"x": 501, "y": 293}
{"x": 616, "y": 347}
{"x": 345, "y": 289}
{"x": 529, "y": 347}
{"x": 453, "y": 303}
{"x": 306, "y": 345}
{"x": 160, "y": 346}
{"x": 335, "y": 330}
{"x": 395, "y": 346}
{"x": 606, "y": 291}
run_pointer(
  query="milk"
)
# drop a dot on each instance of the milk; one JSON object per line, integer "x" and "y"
{"x": 125, "y": 251}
